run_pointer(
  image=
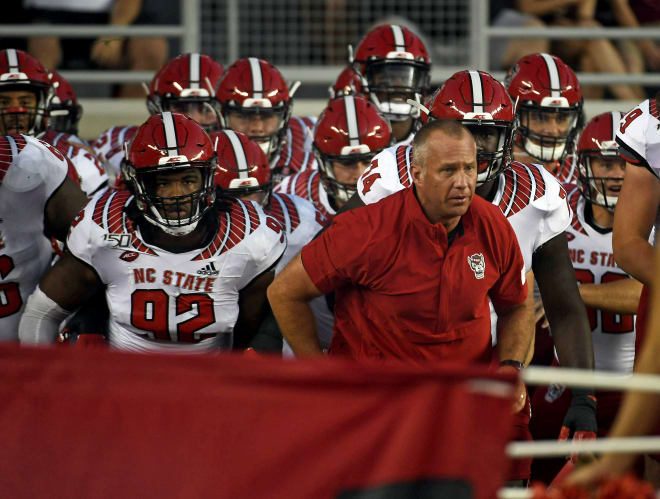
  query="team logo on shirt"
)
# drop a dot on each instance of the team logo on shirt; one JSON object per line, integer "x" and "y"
{"x": 477, "y": 264}
{"x": 129, "y": 256}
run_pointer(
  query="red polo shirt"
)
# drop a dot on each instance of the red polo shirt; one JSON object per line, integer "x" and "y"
{"x": 401, "y": 292}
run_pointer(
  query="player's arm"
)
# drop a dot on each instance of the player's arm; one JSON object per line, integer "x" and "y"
{"x": 564, "y": 309}
{"x": 253, "y": 306}
{"x": 621, "y": 297}
{"x": 62, "y": 207}
{"x": 289, "y": 297}
{"x": 633, "y": 220}
{"x": 570, "y": 328}
{"x": 65, "y": 287}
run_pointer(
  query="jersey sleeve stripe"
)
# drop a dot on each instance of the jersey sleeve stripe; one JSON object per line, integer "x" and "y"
{"x": 238, "y": 228}
{"x": 540, "y": 183}
{"x": 653, "y": 108}
{"x": 254, "y": 217}
{"x": 294, "y": 217}
{"x": 6, "y": 157}
{"x": 97, "y": 216}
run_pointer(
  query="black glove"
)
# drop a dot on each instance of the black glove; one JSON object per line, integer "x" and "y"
{"x": 581, "y": 415}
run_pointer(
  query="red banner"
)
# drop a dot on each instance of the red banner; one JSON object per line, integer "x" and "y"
{"x": 88, "y": 423}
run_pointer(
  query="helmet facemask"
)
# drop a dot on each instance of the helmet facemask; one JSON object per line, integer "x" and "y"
{"x": 24, "y": 119}
{"x": 594, "y": 188}
{"x": 340, "y": 191}
{"x": 545, "y": 147}
{"x": 175, "y": 215}
{"x": 274, "y": 120}
{"x": 494, "y": 141}
{"x": 392, "y": 82}
{"x": 204, "y": 110}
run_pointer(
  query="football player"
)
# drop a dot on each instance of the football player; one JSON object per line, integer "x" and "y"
{"x": 185, "y": 84}
{"x": 181, "y": 272}
{"x": 243, "y": 172}
{"x": 64, "y": 112}
{"x": 549, "y": 111}
{"x": 349, "y": 133}
{"x": 610, "y": 294}
{"x": 257, "y": 101}
{"x": 36, "y": 197}
{"x": 26, "y": 95}
{"x": 396, "y": 67}
{"x": 531, "y": 199}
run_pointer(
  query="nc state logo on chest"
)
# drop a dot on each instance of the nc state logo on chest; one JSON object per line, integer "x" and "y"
{"x": 478, "y": 265}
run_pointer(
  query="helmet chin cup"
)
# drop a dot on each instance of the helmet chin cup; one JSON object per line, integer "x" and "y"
{"x": 398, "y": 111}
{"x": 545, "y": 153}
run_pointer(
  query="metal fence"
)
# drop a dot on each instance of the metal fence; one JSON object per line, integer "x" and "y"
{"x": 307, "y": 39}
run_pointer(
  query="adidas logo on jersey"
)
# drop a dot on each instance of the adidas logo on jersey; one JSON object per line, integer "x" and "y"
{"x": 208, "y": 270}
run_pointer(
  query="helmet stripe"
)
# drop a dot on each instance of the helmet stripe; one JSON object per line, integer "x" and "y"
{"x": 399, "y": 39}
{"x": 553, "y": 73}
{"x": 477, "y": 92}
{"x": 351, "y": 121}
{"x": 170, "y": 134}
{"x": 616, "y": 117}
{"x": 257, "y": 78}
{"x": 12, "y": 60}
{"x": 194, "y": 70}
{"x": 239, "y": 153}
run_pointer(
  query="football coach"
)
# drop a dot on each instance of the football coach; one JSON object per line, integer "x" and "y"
{"x": 412, "y": 274}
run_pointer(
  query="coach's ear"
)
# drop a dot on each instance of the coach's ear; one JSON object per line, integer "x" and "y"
{"x": 417, "y": 173}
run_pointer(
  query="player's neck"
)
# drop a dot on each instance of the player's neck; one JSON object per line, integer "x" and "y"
{"x": 487, "y": 190}
{"x": 602, "y": 216}
{"x": 401, "y": 129}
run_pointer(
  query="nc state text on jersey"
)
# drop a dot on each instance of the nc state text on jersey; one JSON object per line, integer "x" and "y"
{"x": 601, "y": 258}
{"x": 172, "y": 278}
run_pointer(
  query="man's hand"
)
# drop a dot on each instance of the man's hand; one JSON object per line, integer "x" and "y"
{"x": 520, "y": 391}
{"x": 107, "y": 51}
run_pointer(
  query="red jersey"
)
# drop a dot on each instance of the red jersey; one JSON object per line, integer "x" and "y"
{"x": 403, "y": 292}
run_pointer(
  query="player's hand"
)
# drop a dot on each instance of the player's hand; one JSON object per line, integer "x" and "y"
{"x": 580, "y": 419}
{"x": 106, "y": 51}
{"x": 520, "y": 392}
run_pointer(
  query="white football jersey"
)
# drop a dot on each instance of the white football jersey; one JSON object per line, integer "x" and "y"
{"x": 593, "y": 259}
{"x": 109, "y": 147}
{"x": 300, "y": 219}
{"x": 182, "y": 302}
{"x": 87, "y": 165}
{"x": 30, "y": 172}
{"x": 638, "y": 137}
{"x": 307, "y": 185}
{"x": 302, "y": 222}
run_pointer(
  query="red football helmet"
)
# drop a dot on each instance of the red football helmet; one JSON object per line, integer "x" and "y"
{"x": 20, "y": 71}
{"x": 349, "y": 130}
{"x": 349, "y": 82}
{"x": 63, "y": 109}
{"x": 598, "y": 141}
{"x": 549, "y": 106}
{"x": 243, "y": 168}
{"x": 256, "y": 101}
{"x": 396, "y": 65}
{"x": 481, "y": 103}
{"x": 186, "y": 84}
{"x": 170, "y": 143}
